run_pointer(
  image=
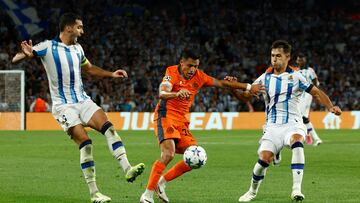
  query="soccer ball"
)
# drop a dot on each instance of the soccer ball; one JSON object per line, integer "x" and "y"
{"x": 195, "y": 157}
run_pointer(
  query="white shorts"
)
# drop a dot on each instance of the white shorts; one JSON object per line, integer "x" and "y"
{"x": 70, "y": 115}
{"x": 276, "y": 136}
{"x": 305, "y": 104}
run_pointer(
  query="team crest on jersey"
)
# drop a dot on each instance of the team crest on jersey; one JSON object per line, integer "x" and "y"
{"x": 167, "y": 78}
{"x": 291, "y": 77}
{"x": 170, "y": 130}
{"x": 195, "y": 85}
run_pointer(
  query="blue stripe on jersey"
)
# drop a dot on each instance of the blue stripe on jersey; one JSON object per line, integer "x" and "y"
{"x": 302, "y": 86}
{"x": 267, "y": 84}
{"x": 72, "y": 75}
{"x": 80, "y": 82}
{"x": 288, "y": 95}
{"x": 276, "y": 99}
{"x": 41, "y": 52}
{"x": 55, "y": 53}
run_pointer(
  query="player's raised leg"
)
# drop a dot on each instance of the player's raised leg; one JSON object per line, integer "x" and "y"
{"x": 297, "y": 166}
{"x": 87, "y": 163}
{"x": 259, "y": 172}
{"x": 99, "y": 121}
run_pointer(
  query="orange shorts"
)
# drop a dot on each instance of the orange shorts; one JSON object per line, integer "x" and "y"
{"x": 179, "y": 131}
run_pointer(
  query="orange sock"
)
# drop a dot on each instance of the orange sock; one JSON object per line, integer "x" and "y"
{"x": 177, "y": 170}
{"x": 155, "y": 174}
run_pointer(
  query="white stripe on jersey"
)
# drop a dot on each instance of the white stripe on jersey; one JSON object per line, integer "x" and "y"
{"x": 309, "y": 74}
{"x": 62, "y": 65}
{"x": 282, "y": 95}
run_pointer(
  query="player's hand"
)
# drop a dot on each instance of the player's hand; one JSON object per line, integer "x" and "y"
{"x": 336, "y": 110}
{"x": 27, "y": 48}
{"x": 119, "y": 74}
{"x": 183, "y": 94}
{"x": 256, "y": 89}
{"x": 230, "y": 78}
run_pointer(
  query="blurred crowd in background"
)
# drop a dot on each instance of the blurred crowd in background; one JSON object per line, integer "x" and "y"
{"x": 233, "y": 37}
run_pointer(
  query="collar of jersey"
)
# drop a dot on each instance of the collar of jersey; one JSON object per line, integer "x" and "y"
{"x": 288, "y": 69}
{"x": 57, "y": 38}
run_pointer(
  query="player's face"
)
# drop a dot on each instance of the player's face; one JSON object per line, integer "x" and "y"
{"x": 76, "y": 30}
{"x": 189, "y": 67}
{"x": 279, "y": 59}
{"x": 301, "y": 61}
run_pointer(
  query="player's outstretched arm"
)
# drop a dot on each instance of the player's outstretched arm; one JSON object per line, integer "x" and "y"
{"x": 166, "y": 93}
{"x": 241, "y": 95}
{"x": 25, "y": 53}
{"x": 99, "y": 72}
{"x": 254, "y": 89}
{"x": 323, "y": 99}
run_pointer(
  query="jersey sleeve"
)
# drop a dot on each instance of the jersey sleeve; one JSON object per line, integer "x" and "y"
{"x": 304, "y": 85}
{"x": 169, "y": 78}
{"x": 40, "y": 49}
{"x": 83, "y": 59}
{"x": 260, "y": 80}
{"x": 208, "y": 81}
{"x": 312, "y": 74}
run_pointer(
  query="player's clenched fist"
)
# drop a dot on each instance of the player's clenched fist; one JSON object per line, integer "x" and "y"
{"x": 183, "y": 94}
{"x": 336, "y": 110}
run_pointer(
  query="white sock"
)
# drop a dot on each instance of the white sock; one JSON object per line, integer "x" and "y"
{"x": 115, "y": 145}
{"x": 88, "y": 166}
{"x": 312, "y": 131}
{"x": 297, "y": 165}
{"x": 149, "y": 193}
{"x": 162, "y": 180}
{"x": 259, "y": 172}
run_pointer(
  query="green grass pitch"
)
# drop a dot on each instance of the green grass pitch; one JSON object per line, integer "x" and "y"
{"x": 43, "y": 166}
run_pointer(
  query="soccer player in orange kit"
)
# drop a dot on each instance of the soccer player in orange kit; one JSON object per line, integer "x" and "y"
{"x": 176, "y": 93}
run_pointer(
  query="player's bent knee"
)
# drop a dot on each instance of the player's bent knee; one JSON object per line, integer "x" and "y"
{"x": 167, "y": 156}
{"x": 266, "y": 156}
{"x": 296, "y": 138}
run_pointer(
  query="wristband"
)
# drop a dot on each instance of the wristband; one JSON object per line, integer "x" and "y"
{"x": 248, "y": 87}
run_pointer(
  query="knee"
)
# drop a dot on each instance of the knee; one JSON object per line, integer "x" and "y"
{"x": 266, "y": 156}
{"x": 296, "y": 138}
{"x": 167, "y": 156}
{"x": 305, "y": 120}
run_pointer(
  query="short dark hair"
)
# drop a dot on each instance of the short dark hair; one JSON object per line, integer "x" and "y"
{"x": 301, "y": 55}
{"x": 68, "y": 19}
{"x": 188, "y": 53}
{"x": 282, "y": 44}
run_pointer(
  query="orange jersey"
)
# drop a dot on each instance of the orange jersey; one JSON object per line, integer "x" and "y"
{"x": 176, "y": 108}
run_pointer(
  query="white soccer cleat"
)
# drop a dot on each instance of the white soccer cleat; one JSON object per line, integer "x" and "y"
{"x": 146, "y": 199}
{"x": 297, "y": 196}
{"x": 100, "y": 198}
{"x": 247, "y": 197}
{"x": 160, "y": 191}
{"x": 317, "y": 142}
{"x": 134, "y": 172}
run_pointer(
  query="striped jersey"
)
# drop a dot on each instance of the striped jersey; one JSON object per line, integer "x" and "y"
{"x": 282, "y": 95}
{"x": 63, "y": 68}
{"x": 309, "y": 74}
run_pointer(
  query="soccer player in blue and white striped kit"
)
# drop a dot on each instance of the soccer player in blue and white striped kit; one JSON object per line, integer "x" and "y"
{"x": 305, "y": 104}
{"x": 284, "y": 126}
{"x": 64, "y": 60}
